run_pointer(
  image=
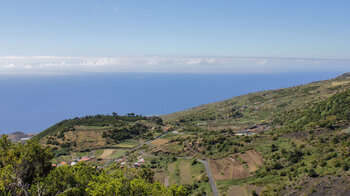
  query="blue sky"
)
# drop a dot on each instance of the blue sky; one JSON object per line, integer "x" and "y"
{"x": 182, "y": 29}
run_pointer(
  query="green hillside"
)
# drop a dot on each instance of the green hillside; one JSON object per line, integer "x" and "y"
{"x": 331, "y": 113}
{"x": 265, "y": 107}
{"x": 97, "y": 120}
{"x": 302, "y": 134}
{"x": 99, "y": 131}
{"x": 306, "y": 152}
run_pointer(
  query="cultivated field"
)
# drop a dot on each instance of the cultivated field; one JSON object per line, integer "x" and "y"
{"x": 253, "y": 159}
{"x": 159, "y": 142}
{"x": 86, "y": 139}
{"x": 106, "y": 153}
{"x": 236, "y": 166}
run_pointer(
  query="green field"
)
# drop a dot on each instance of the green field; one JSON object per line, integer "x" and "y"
{"x": 127, "y": 144}
{"x": 118, "y": 154}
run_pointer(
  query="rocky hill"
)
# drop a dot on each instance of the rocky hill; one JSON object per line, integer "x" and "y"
{"x": 20, "y": 137}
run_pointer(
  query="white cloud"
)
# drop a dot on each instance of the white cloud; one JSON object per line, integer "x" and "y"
{"x": 74, "y": 65}
{"x": 262, "y": 62}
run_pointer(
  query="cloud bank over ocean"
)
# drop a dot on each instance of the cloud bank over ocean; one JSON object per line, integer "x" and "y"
{"x": 159, "y": 64}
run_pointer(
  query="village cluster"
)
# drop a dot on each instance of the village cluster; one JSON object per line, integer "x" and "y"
{"x": 123, "y": 161}
{"x": 74, "y": 162}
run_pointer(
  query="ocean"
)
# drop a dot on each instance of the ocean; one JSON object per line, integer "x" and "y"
{"x": 33, "y": 103}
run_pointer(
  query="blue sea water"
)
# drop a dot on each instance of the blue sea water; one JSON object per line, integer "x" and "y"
{"x": 34, "y": 103}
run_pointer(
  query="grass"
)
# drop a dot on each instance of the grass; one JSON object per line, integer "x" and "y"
{"x": 81, "y": 154}
{"x": 185, "y": 171}
{"x": 250, "y": 180}
{"x": 172, "y": 172}
{"x": 174, "y": 148}
{"x": 180, "y": 171}
{"x": 98, "y": 152}
{"x": 118, "y": 154}
{"x": 127, "y": 144}
{"x": 197, "y": 169}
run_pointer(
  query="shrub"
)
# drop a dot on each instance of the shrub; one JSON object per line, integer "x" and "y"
{"x": 194, "y": 162}
{"x": 312, "y": 173}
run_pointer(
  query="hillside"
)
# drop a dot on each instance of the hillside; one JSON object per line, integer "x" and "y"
{"x": 306, "y": 154}
{"x": 295, "y": 143}
{"x": 265, "y": 107}
{"x": 97, "y": 132}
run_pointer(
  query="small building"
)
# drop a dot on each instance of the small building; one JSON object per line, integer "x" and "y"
{"x": 137, "y": 164}
{"x": 73, "y": 163}
{"x": 245, "y": 133}
{"x": 120, "y": 160}
{"x": 84, "y": 159}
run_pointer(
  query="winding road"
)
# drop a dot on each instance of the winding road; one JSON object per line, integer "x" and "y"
{"x": 210, "y": 176}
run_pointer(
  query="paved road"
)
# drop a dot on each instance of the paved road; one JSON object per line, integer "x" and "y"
{"x": 210, "y": 176}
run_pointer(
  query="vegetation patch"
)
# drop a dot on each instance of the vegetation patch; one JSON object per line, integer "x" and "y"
{"x": 160, "y": 142}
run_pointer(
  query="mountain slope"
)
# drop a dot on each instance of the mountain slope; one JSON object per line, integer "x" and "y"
{"x": 265, "y": 107}
{"x": 100, "y": 131}
{"x": 304, "y": 150}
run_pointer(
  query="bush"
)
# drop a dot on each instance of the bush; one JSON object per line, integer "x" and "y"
{"x": 205, "y": 179}
{"x": 312, "y": 173}
{"x": 65, "y": 145}
{"x": 254, "y": 193}
{"x": 194, "y": 162}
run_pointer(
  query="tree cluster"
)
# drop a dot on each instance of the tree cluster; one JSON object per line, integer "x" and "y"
{"x": 26, "y": 170}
